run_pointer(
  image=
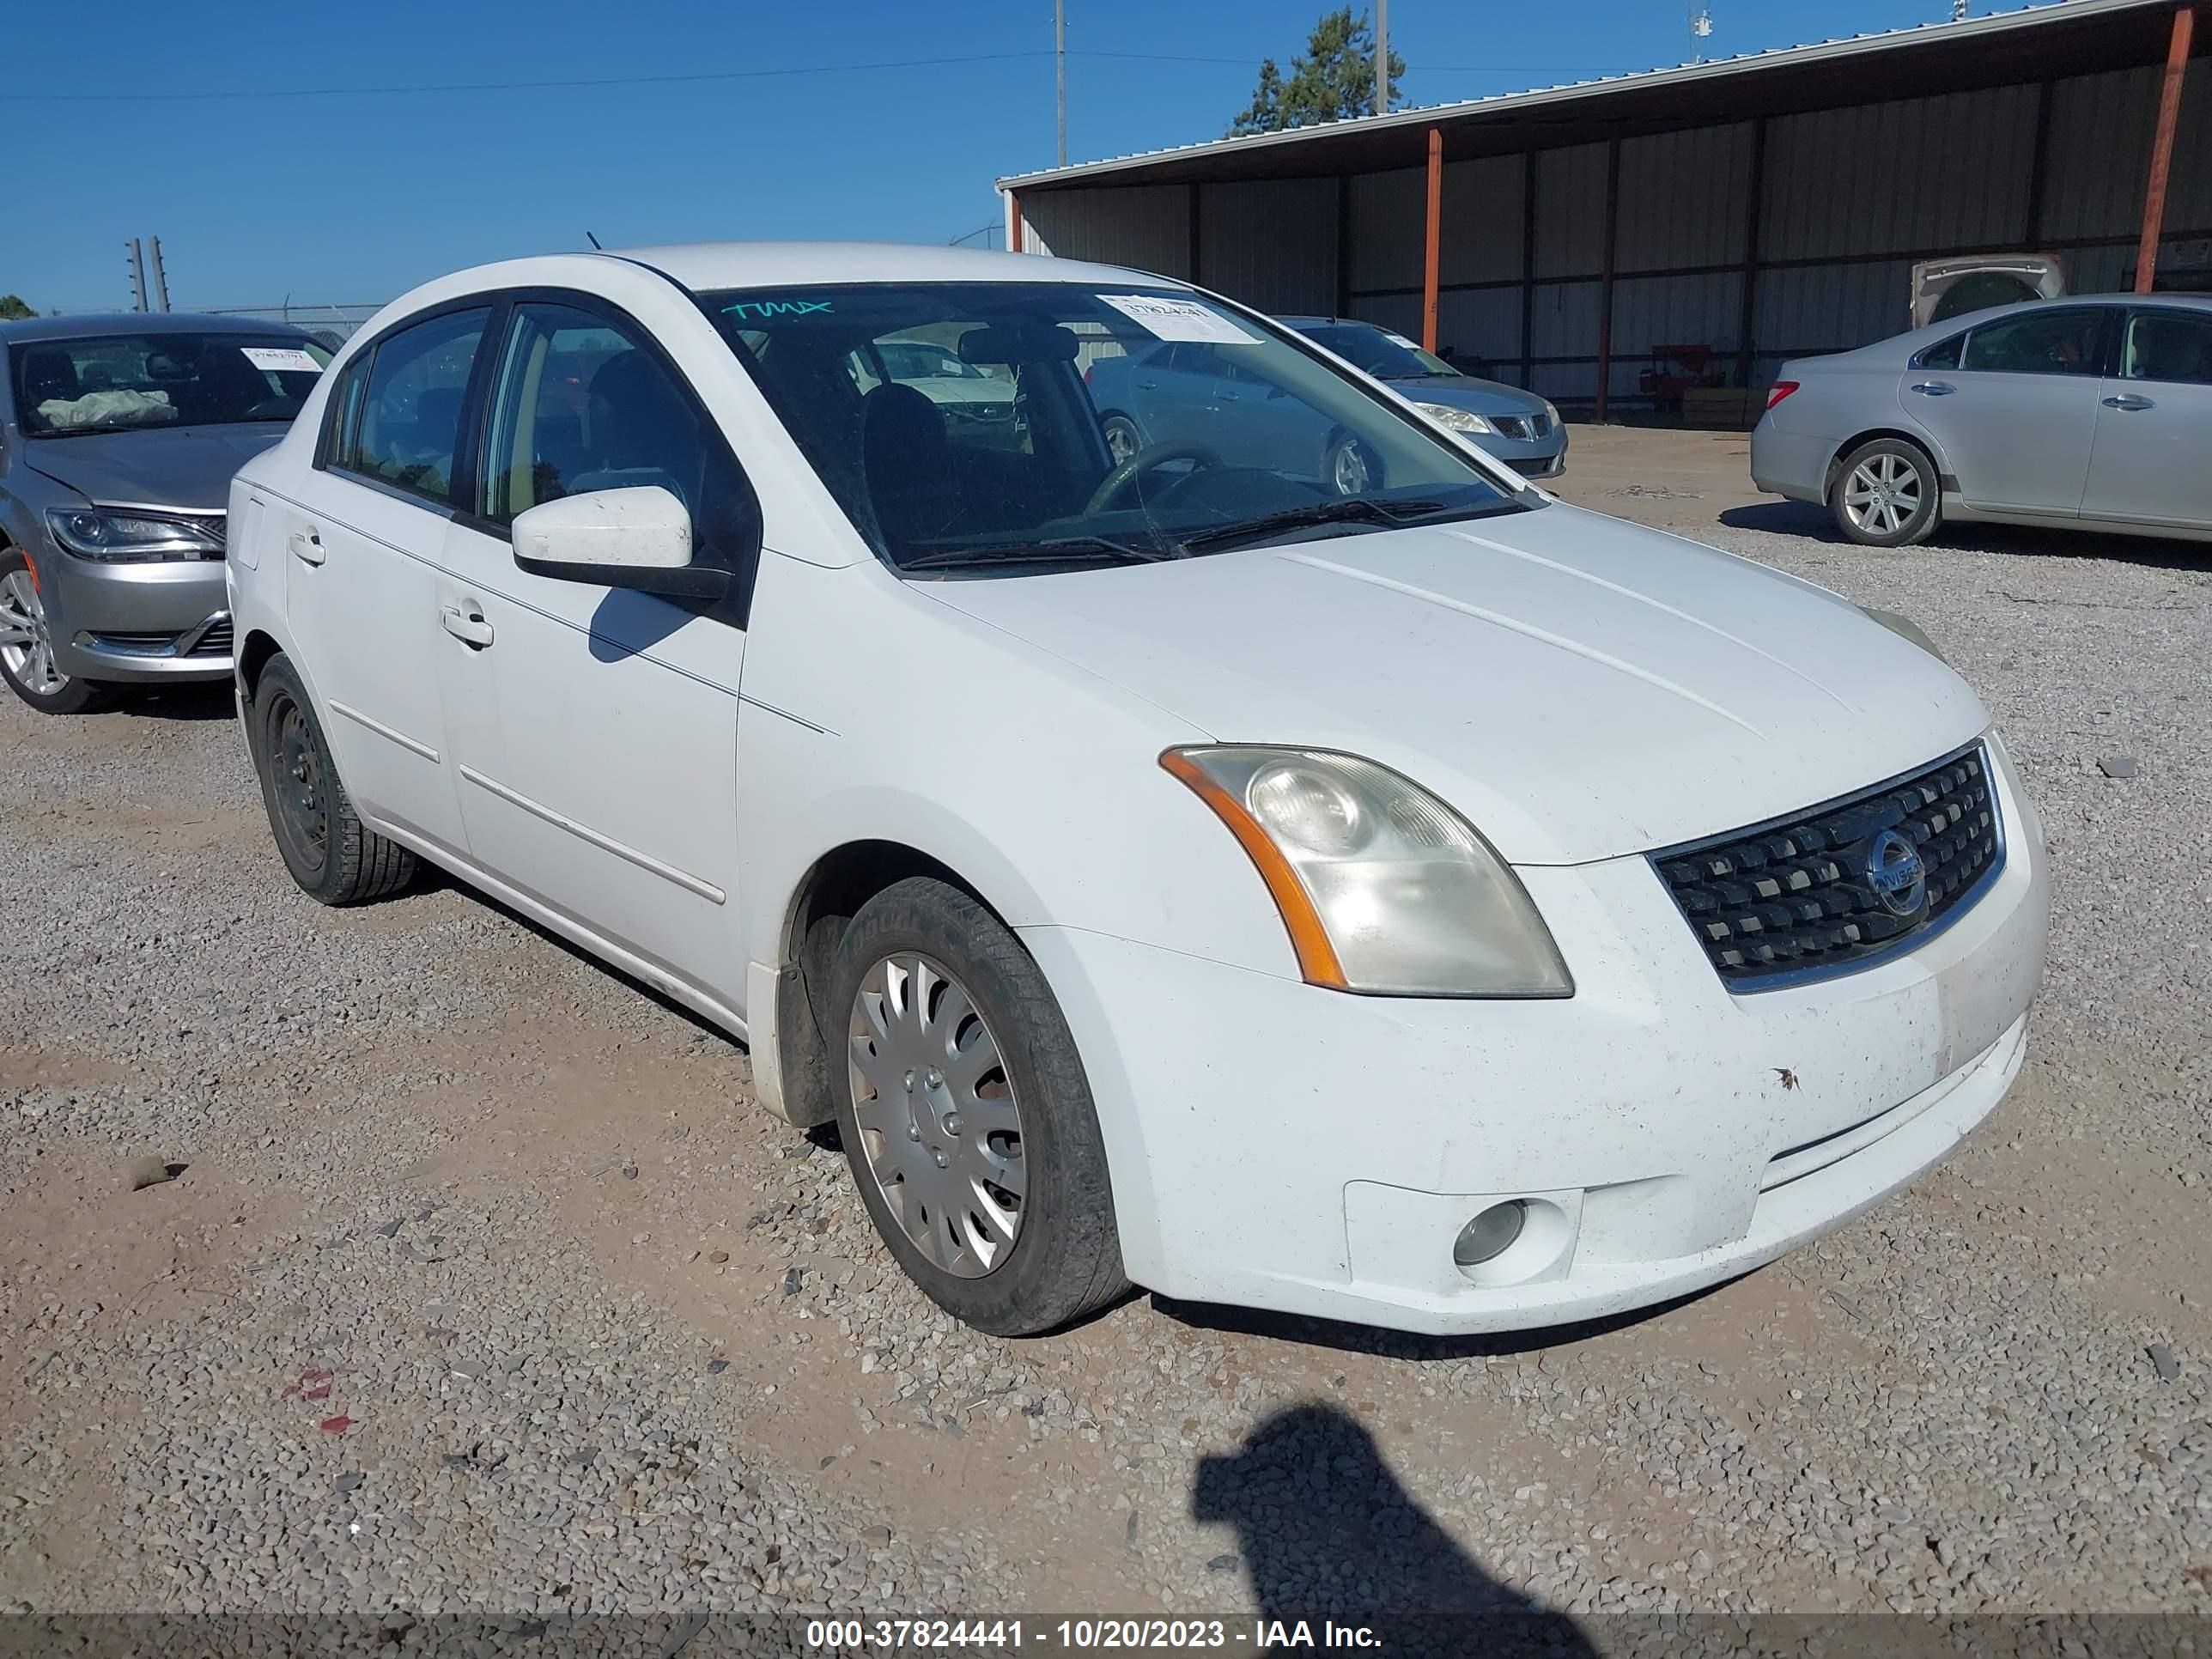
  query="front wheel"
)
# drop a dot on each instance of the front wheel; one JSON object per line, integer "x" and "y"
{"x": 1123, "y": 438}
{"x": 1886, "y": 495}
{"x": 27, "y": 648}
{"x": 1347, "y": 467}
{"x": 967, "y": 1117}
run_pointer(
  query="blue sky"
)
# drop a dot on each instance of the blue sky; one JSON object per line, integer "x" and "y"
{"x": 352, "y": 197}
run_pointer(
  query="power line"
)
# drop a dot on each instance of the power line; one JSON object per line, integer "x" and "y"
{"x": 432, "y": 89}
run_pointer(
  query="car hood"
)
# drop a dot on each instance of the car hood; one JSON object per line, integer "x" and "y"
{"x": 1465, "y": 391}
{"x": 188, "y": 467}
{"x": 1579, "y": 687}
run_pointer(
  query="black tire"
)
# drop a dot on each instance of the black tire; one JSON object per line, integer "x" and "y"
{"x": 1911, "y": 483}
{"x": 345, "y": 862}
{"x": 74, "y": 696}
{"x": 1347, "y": 466}
{"x": 1064, "y": 1262}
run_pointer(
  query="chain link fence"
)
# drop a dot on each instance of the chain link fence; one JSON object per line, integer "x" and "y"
{"x": 331, "y": 324}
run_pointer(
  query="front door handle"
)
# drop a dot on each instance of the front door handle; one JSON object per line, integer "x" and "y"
{"x": 2129, "y": 400}
{"x": 307, "y": 546}
{"x": 1934, "y": 388}
{"x": 467, "y": 625}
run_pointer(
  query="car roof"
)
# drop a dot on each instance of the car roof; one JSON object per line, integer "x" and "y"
{"x": 705, "y": 265}
{"x": 1932, "y": 333}
{"x": 96, "y": 325}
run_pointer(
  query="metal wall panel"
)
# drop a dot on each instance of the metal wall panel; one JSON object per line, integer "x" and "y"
{"x": 1563, "y": 321}
{"x": 1571, "y": 210}
{"x": 1481, "y": 322}
{"x": 1831, "y": 308}
{"x": 1683, "y": 197}
{"x": 1400, "y": 313}
{"x": 1481, "y": 239}
{"x": 1949, "y": 172}
{"x": 1270, "y": 243}
{"x": 2100, "y": 134}
{"x": 1654, "y": 310}
{"x": 1388, "y": 211}
{"x": 1147, "y": 226}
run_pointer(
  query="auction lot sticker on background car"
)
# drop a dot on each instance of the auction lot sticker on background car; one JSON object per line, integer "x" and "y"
{"x": 1178, "y": 319}
{"x": 284, "y": 360}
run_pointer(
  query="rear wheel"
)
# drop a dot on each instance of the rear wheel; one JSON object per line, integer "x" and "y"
{"x": 1347, "y": 468}
{"x": 1123, "y": 438}
{"x": 1885, "y": 493}
{"x": 966, "y": 1116}
{"x": 334, "y": 857}
{"x": 27, "y": 648}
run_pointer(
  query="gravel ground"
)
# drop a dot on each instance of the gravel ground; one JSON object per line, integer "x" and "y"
{"x": 482, "y": 1288}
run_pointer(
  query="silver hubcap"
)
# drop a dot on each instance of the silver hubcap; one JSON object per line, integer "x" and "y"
{"x": 26, "y": 646}
{"x": 939, "y": 1128}
{"x": 1882, "y": 495}
{"x": 1120, "y": 441}
{"x": 1350, "y": 470}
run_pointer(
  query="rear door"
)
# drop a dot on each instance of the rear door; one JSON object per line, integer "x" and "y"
{"x": 2014, "y": 406}
{"x": 361, "y": 544}
{"x": 595, "y": 730}
{"x": 2154, "y": 423}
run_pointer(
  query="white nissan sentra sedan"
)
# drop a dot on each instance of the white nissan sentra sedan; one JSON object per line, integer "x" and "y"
{"x": 1431, "y": 906}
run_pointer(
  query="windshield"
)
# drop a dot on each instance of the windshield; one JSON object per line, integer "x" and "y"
{"x": 1120, "y": 423}
{"x": 1377, "y": 351}
{"x": 114, "y": 382}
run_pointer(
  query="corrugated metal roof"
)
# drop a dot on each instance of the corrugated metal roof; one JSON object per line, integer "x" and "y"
{"x": 1962, "y": 35}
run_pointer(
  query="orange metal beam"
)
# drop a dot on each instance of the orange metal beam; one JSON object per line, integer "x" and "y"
{"x": 1013, "y": 222}
{"x": 1432, "y": 248}
{"x": 2162, "y": 145}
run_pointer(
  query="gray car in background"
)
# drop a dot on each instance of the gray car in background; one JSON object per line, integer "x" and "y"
{"x": 1183, "y": 392}
{"x": 118, "y": 436}
{"x": 2093, "y": 412}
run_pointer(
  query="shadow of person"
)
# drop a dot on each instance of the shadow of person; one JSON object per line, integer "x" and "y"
{"x": 1327, "y": 1533}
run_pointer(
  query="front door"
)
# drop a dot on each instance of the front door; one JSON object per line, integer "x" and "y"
{"x": 2014, "y": 406}
{"x": 361, "y": 546}
{"x": 595, "y": 729}
{"x": 2154, "y": 424}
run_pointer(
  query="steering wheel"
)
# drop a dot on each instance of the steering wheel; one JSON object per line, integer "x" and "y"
{"x": 1200, "y": 457}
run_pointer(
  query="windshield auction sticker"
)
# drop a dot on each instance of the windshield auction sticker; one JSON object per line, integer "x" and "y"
{"x": 1179, "y": 320}
{"x": 283, "y": 360}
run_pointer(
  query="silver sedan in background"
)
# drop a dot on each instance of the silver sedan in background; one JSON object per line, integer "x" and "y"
{"x": 2093, "y": 412}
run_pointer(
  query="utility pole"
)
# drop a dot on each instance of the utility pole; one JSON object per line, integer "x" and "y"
{"x": 160, "y": 276}
{"x": 1381, "y": 56}
{"x": 135, "y": 254}
{"x": 1060, "y": 71}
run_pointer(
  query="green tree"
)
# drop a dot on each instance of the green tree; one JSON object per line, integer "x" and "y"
{"x": 1334, "y": 79}
{"x": 13, "y": 310}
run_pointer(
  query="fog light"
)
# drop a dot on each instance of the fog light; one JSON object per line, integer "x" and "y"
{"x": 1491, "y": 1234}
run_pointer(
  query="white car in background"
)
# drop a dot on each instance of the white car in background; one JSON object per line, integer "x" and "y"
{"x": 1433, "y": 906}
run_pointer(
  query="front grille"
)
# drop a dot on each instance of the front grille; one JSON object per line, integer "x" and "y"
{"x": 1526, "y": 429}
{"x": 216, "y": 642}
{"x": 1831, "y": 889}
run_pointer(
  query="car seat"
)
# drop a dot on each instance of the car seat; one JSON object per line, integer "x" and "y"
{"x": 906, "y": 459}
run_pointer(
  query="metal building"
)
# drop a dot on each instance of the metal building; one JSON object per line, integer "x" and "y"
{"x": 1586, "y": 239}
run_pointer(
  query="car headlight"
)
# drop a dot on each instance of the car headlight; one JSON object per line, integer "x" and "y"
{"x": 1382, "y": 887}
{"x": 1455, "y": 420}
{"x": 1905, "y": 628}
{"x": 99, "y": 532}
{"x": 1552, "y": 412}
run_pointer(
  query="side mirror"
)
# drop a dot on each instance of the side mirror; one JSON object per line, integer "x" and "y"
{"x": 638, "y": 537}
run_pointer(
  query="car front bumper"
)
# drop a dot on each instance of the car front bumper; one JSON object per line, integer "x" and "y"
{"x": 1537, "y": 458}
{"x": 159, "y": 622}
{"x": 1281, "y": 1146}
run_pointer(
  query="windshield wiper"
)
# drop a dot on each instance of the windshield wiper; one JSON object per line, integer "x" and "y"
{"x": 1355, "y": 509}
{"x": 98, "y": 426}
{"x": 1076, "y": 548}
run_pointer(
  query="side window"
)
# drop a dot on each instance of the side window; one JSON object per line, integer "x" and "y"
{"x": 342, "y": 414}
{"x": 2065, "y": 342}
{"x": 406, "y": 427}
{"x": 1945, "y": 354}
{"x": 581, "y": 404}
{"x": 2169, "y": 345}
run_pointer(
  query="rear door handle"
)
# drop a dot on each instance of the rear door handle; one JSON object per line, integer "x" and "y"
{"x": 307, "y": 545}
{"x": 1934, "y": 388}
{"x": 2129, "y": 400}
{"x": 467, "y": 626}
